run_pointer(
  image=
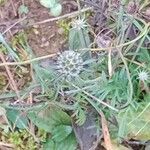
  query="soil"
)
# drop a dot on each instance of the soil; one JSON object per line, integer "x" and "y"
{"x": 45, "y": 38}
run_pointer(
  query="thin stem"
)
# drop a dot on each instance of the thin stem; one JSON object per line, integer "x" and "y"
{"x": 95, "y": 98}
{"x": 129, "y": 79}
{"x": 27, "y": 61}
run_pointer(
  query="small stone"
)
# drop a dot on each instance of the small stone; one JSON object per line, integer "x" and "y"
{"x": 36, "y": 31}
{"x": 46, "y": 43}
{"x": 61, "y": 31}
{"x": 43, "y": 39}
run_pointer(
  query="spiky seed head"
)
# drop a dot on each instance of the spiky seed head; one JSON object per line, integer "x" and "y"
{"x": 79, "y": 24}
{"x": 143, "y": 76}
{"x": 69, "y": 63}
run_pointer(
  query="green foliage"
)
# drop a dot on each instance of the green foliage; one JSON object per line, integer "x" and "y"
{"x": 49, "y": 118}
{"x": 134, "y": 123}
{"x": 58, "y": 123}
{"x": 80, "y": 116}
{"x": 54, "y": 5}
{"x": 144, "y": 56}
{"x": 93, "y": 85}
{"x": 10, "y": 51}
{"x": 21, "y": 139}
{"x": 64, "y": 24}
{"x": 61, "y": 132}
{"x": 78, "y": 39}
{"x": 17, "y": 119}
{"x": 69, "y": 143}
{"x": 23, "y": 9}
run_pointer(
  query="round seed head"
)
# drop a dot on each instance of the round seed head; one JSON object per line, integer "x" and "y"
{"x": 69, "y": 63}
{"x": 143, "y": 76}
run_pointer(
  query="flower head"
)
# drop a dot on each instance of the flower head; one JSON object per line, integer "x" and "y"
{"x": 69, "y": 63}
{"x": 143, "y": 76}
{"x": 79, "y": 24}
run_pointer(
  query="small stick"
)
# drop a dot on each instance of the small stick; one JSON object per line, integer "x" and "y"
{"x": 27, "y": 61}
{"x": 69, "y": 15}
{"x": 105, "y": 131}
{"x": 6, "y": 145}
{"x": 18, "y": 21}
{"x": 10, "y": 76}
{"x": 13, "y": 6}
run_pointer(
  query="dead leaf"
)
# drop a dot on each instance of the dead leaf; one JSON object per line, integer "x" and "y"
{"x": 107, "y": 140}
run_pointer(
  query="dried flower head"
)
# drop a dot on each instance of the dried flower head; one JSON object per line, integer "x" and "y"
{"x": 69, "y": 64}
{"x": 143, "y": 76}
{"x": 79, "y": 24}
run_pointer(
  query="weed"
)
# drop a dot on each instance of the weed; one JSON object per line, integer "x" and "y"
{"x": 99, "y": 71}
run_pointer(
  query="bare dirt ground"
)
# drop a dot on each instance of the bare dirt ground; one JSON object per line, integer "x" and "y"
{"x": 44, "y": 38}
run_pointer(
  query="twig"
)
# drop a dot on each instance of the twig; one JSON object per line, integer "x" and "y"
{"x": 6, "y": 145}
{"x": 18, "y": 21}
{"x": 14, "y": 9}
{"x": 69, "y": 15}
{"x": 27, "y": 61}
{"x": 10, "y": 76}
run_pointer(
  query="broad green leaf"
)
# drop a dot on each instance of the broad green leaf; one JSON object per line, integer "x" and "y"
{"x": 61, "y": 132}
{"x": 23, "y": 9}
{"x": 49, "y": 145}
{"x": 68, "y": 143}
{"x": 17, "y": 119}
{"x": 48, "y": 3}
{"x": 42, "y": 123}
{"x": 59, "y": 116}
{"x": 144, "y": 56}
{"x": 50, "y": 118}
{"x": 56, "y": 10}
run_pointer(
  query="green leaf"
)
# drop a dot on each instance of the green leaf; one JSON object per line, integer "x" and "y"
{"x": 50, "y": 118}
{"x": 144, "y": 56}
{"x": 122, "y": 125}
{"x": 49, "y": 145}
{"x": 42, "y": 123}
{"x": 57, "y": 115}
{"x": 68, "y": 143}
{"x": 61, "y": 132}
{"x": 9, "y": 49}
{"x": 78, "y": 39}
{"x": 17, "y": 119}
{"x": 23, "y": 9}
{"x": 56, "y": 10}
{"x": 136, "y": 122}
{"x": 48, "y": 3}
